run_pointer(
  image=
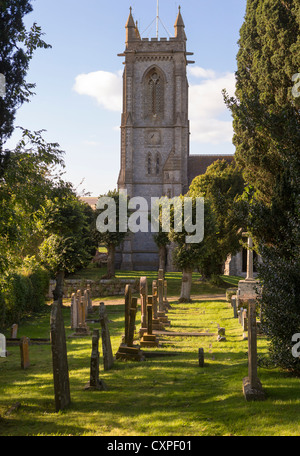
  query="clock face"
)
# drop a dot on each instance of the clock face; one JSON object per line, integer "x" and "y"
{"x": 154, "y": 138}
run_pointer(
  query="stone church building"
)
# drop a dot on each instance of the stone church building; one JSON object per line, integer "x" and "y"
{"x": 155, "y": 158}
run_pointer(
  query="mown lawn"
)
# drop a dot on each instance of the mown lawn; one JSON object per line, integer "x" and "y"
{"x": 162, "y": 396}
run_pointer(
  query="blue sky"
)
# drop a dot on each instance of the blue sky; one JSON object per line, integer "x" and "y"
{"x": 78, "y": 81}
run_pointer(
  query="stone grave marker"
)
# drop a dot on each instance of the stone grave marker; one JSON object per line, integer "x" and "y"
{"x": 14, "y": 331}
{"x": 252, "y": 387}
{"x": 89, "y": 299}
{"x": 24, "y": 351}
{"x": 59, "y": 358}
{"x": 108, "y": 358}
{"x": 156, "y": 324}
{"x": 221, "y": 334}
{"x": 3, "y": 352}
{"x": 81, "y": 329}
{"x": 128, "y": 350}
{"x": 143, "y": 298}
{"x": 95, "y": 383}
{"x": 74, "y": 311}
{"x": 201, "y": 357}
{"x": 149, "y": 339}
{"x": 166, "y": 302}
{"x": 234, "y": 306}
{"x": 161, "y": 313}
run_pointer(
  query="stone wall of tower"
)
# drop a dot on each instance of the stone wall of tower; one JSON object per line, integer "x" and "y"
{"x": 154, "y": 129}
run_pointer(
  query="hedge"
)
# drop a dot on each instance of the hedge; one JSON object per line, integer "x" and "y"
{"x": 22, "y": 293}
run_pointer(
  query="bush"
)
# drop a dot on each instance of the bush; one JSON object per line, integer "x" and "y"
{"x": 22, "y": 292}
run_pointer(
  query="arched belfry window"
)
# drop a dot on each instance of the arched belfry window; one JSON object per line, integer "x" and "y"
{"x": 155, "y": 93}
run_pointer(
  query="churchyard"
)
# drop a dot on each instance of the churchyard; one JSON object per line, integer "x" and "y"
{"x": 189, "y": 384}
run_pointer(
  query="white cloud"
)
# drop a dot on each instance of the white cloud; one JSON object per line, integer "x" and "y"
{"x": 106, "y": 87}
{"x": 207, "y": 108}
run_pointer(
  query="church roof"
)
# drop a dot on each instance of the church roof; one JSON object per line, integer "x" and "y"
{"x": 198, "y": 164}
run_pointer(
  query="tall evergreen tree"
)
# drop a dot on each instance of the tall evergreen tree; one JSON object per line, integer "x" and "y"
{"x": 266, "y": 115}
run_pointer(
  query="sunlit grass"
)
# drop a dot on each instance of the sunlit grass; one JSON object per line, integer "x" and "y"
{"x": 163, "y": 396}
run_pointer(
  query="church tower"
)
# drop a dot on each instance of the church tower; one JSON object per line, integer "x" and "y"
{"x": 154, "y": 128}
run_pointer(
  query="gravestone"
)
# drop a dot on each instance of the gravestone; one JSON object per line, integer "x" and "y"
{"x": 108, "y": 359}
{"x": 143, "y": 298}
{"x": 127, "y": 350}
{"x": 24, "y": 351}
{"x": 74, "y": 311}
{"x": 81, "y": 329}
{"x": 3, "y": 352}
{"x": 166, "y": 302}
{"x": 234, "y": 306}
{"x": 156, "y": 324}
{"x": 14, "y": 331}
{"x": 221, "y": 334}
{"x": 95, "y": 383}
{"x": 252, "y": 387}
{"x": 201, "y": 357}
{"x": 149, "y": 339}
{"x": 89, "y": 299}
{"x": 59, "y": 358}
{"x": 161, "y": 313}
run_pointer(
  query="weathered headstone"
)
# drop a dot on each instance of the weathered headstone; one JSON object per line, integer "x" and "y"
{"x": 108, "y": 359}
{"x": 24, "y": 351}
{"x": 95, "y": 383}
{"x": 252, "y": 387}
{"x": 127, "y": 350}
{"x": 249, "y": 288}
{"x": 81, "y": 304}
{"x": 143, "y": 298}
{"x": 149, "y": 339}
{"x": 234, "y": 306}
{"x": 201, "y": 357}
{"x": 74, "y": 311}
{"x": 156, "y": 324}
{"x": 14, "y": 331}
{"x": 161, "y": 313}
{"x": 59, "y": 358}
{"x": 3, "y": 352}
{"x": 89, "y": 299}
{"x": 221, "y": 334}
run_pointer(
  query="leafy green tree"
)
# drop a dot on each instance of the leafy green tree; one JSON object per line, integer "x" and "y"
{"x": 189, "y": 256}
{"x": 68, "y": 245}
{"x": 222, "y": 185}
{"x": 110, "y": 238}
{"x": 17, "y": 47}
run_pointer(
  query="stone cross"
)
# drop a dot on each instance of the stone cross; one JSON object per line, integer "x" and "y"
{"x": 132, "y": 315}
{"x": 249, "y": 258}
{"x": 3, "y": 352}
{"x": 252, "y": 387}
{"x": 59, "y": 358}
{"x": 149, "y": 318}
{"x": 95, "y": 383}
{"x": 108, "y": 359}
{"x": 24, "y": 351}
{"x": 128, "y": 297}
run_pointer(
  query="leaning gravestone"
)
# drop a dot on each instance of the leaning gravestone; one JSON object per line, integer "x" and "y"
{"x": 95, "y": 383}
{"x": 24, "y": 351}
{"x": 108, "y": 358}
{"x": 59, "y": 358}
{"x": 3, "y": 352}
{"x": 252, "y": 387}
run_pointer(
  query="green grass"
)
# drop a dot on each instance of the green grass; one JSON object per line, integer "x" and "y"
{"x": 163, "y": 396}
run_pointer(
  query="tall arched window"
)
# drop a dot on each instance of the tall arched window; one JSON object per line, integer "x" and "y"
{"x": 155, "y": 93}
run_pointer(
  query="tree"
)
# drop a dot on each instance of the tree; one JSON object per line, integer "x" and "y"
{"x": 17, "y": 46}
{"x": 110, "y": 238}
{"x": 266, "y": 116}
{"x": 189, "y": 256}
{"x": 66, "y": 227}
{"x": 222, "y": 185}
